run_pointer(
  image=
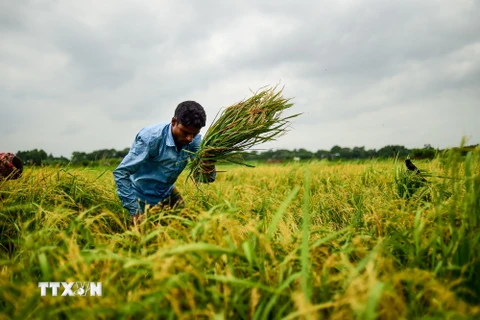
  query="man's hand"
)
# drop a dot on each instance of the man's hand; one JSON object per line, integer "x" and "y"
{"x": 207, "y": 166}
{"x": 206, "y": 173}
{"x": 137, "y": 219}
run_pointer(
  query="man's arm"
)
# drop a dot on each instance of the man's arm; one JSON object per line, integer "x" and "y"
{"x": 129, "y": 165}
{"x": 207, "y": 166}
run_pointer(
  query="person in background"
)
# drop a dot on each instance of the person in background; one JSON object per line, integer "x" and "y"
{"x": 11, "y": 167}
{"x": 157, "y": 157}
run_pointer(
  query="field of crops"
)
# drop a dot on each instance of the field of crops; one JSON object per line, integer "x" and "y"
{"x": 317, "y": 240}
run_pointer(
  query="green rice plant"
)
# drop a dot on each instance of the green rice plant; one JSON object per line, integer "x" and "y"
{"x": 293, "y": 241}
{"x": 241, "y": 127}
{"x": 410, "y": 184}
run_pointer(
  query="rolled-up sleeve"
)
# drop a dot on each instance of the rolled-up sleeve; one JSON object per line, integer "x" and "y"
{"x": 129, "y": 165}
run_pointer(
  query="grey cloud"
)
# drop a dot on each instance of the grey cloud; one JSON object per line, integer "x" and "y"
{"x": 12, "y": 17}
{"x": 354, "y": 68}
{"x": 93, "y": 57}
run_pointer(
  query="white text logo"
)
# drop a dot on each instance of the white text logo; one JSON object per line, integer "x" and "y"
{"x": 71, "y": 288}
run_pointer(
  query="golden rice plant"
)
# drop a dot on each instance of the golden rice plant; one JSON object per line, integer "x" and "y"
{"x": 240, "y": 127}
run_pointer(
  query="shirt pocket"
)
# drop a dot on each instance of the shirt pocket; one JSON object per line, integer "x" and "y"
{"x": 165, "y": 157}
{"x": 169, "y": 164}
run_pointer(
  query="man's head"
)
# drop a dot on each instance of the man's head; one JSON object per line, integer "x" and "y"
{"x": 188, "y": 119}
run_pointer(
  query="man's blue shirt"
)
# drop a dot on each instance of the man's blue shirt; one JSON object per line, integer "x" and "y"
{"x": 151, "y": 167}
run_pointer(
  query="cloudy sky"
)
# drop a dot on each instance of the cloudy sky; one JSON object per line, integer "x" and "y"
{"x": 87, "y": 75}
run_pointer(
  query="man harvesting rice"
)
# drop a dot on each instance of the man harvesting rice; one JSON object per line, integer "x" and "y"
{"x": 158, "y": 155}
{"x": 155, "y": 161}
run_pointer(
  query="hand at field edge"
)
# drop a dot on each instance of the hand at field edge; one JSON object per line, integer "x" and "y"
{"x": 137, "y": 219}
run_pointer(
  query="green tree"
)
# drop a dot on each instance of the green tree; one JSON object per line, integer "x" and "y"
{"x": 32, "y": 157}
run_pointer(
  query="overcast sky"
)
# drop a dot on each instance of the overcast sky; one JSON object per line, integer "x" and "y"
{"x": 87, "y": 75}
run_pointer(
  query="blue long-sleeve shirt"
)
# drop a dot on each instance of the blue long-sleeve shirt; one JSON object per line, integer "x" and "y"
{"x": 151, "y": 167}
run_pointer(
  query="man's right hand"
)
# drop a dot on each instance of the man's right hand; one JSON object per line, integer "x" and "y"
{"x": 137, "y": 219}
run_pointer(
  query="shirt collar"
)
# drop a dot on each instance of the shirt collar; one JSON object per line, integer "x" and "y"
{"x": 170, "y": 141}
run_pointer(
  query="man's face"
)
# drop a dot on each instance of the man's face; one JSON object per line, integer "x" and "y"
{"x": 183, "y": 134}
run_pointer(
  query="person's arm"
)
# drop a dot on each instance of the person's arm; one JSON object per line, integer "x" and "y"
{"x": 207, "y": 166}
{"x": 129, "y": 165}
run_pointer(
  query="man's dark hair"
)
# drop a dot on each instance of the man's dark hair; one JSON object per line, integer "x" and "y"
{"x": 191, "y": 114}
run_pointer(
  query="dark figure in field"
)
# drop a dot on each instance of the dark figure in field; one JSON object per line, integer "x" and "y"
{"x": 158, "y": 155}
{"x": 412, "y": 167}
{"x": 11, "y": 167}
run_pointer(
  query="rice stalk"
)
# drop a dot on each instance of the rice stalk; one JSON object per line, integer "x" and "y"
{"x": 239, "y": 128}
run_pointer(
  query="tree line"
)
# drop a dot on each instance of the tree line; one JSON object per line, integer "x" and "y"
{"x": 113, "y": 157}
{"x": 103, "y": 157}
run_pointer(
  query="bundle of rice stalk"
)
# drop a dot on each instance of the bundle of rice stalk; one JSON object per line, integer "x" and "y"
{"x": 239, "y": 128}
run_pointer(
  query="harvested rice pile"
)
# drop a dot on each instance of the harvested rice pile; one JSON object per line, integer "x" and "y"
{"x": 240, "y": 127}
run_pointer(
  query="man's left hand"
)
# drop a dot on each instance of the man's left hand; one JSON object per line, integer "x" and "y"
{"x": 207, "y": 166}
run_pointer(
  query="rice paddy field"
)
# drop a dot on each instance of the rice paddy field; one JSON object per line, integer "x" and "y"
{"x": 308, "y": 240}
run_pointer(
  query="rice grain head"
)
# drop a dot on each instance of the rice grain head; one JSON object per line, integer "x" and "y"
{"x": 240, "y": 127}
